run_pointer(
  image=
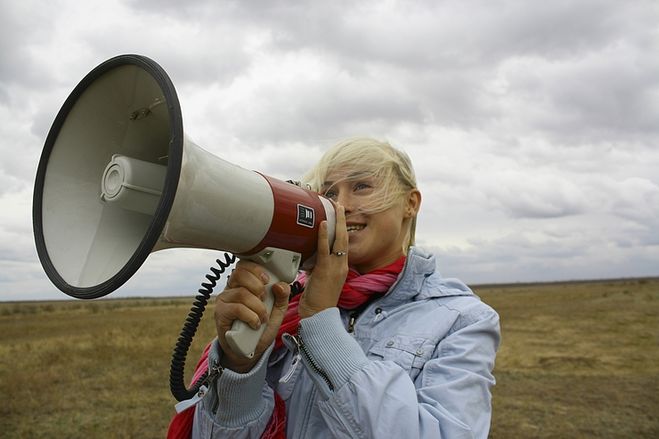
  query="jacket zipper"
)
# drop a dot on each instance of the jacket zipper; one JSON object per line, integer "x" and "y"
{"x": 354, "y": 315}
{"x": 351, "y": 322}
{"x": 294, "y": 363}
{"x": 310, "y": 361}
{"x": 204, "y": 388}
{"x": 214, "y": 374}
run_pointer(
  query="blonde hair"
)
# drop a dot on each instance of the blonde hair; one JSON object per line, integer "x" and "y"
{"x": 368, "y": 158}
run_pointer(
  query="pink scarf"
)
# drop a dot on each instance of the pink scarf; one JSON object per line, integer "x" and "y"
{"x": 357, "y": 290}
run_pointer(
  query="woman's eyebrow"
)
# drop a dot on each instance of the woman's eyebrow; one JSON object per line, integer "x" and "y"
{"x": 363, "y": 175}
{"x": 352, "y": 176}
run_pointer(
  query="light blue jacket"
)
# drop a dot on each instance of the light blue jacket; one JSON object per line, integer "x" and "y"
{"x": 418, "y": 364}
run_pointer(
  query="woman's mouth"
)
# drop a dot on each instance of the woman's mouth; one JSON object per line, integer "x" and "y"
{"x": 355, "y": 227}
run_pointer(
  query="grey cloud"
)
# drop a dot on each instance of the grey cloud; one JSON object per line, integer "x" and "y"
{"x": 306, "y": 109}
{"x": 173, "y": 273}
{"x": 23, "y": 280}
{"x": 409, "y": 47}
{"x": 24, "y": 26}
{"x": 185, "y": 59}
{"x": 10, "y": 180}
{"x": 43, "y": 120}
{"x": 532, "y": 124}
{"x": 415, "y": 34}
{"x": 517, "y": 258}
{"x": 558, "y": 29}
{"x": 197, "y": 10}
{"x": 289, "y": 161}
{"x": 637, "y": 199}
{"x": 4, "y": 95}
{"x": 444, "y": 35}
{"x": 17, "y": 243}
{"x": 20, "y": 153}
{"x": 530, "y": 195}
{"x": 591, "y": 99}
{"x": 588, "y": 96}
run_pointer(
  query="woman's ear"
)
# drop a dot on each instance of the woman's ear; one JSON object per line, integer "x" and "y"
{"x": 412, "y": 203}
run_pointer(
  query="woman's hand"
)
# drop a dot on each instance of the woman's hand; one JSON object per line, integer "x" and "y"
{"x": 326, "y": 280}
{"x": 242, "y": 299}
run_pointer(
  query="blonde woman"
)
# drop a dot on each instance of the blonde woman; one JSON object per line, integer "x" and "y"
{"x": 378, "y": 345}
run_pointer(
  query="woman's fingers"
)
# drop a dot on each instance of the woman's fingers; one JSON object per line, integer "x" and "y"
{"x": 328, "y": 275}
{"x": 249, "y": 275}
{"x": 341, "y": 234}
{"x": 242, "y": 297}
{"x": 323, "y": 240}
{"x": 241, "y": 304}
{"x": 325, "y": 248}
{"x": 281, "y": 292}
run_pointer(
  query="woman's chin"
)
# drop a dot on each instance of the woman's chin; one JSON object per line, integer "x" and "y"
{"x": 356, "y": 258}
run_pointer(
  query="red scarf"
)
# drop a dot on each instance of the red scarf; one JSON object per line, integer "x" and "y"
{"x": 357, "y": 290}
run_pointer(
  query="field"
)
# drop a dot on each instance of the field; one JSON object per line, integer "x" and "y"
{"x": 577, "y": 360}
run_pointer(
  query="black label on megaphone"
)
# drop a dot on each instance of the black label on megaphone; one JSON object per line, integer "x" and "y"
{"x": 305, "y": 216}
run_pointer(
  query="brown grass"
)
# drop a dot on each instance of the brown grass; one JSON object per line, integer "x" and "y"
{"x": 89, "y": 369}
{"x": 577, "y": 360}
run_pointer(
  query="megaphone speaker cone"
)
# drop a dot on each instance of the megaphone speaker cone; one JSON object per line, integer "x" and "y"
{"x": 87, "y": 247}
{"x": 118, "y": 179}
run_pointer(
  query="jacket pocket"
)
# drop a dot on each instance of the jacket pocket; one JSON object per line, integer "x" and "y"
{"x": 409, "y": 352}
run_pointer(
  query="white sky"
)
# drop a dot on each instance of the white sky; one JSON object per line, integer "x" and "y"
{"x": 533, "y": 125}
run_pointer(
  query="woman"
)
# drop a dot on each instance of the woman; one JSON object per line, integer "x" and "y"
{"x": 378, "y": 344}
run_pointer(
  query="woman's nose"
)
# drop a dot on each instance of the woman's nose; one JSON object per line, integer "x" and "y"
{"x": 345, "y": 200}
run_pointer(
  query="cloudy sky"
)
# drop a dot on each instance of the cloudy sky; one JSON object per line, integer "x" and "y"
{"x": 533, "y": 125}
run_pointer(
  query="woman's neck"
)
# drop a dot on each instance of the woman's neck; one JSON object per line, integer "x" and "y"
{"x": 380, "y": 263}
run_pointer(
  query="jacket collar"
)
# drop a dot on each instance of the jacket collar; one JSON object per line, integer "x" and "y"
{"x": 421, "y": 280}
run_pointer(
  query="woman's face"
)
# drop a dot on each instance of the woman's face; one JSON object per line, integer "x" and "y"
{"x": 374, "y": 239}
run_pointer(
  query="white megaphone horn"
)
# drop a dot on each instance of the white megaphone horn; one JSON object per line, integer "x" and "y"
{"x": 118, "y": 180}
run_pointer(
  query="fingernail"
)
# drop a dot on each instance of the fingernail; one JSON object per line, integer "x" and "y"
{"x": 265, "y": 278}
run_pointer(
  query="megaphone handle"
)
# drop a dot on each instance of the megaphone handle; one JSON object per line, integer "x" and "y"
{"x": 280, "y": 265}
{"x": 242, "y": 338}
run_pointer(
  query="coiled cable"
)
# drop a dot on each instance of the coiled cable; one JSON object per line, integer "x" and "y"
{"x": 176, "y": 372}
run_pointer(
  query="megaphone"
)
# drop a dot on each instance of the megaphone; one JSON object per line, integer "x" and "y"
{"x": 118, "y": 180}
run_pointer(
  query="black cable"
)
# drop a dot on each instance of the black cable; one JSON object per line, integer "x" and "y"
{"x": 176, "y": 372}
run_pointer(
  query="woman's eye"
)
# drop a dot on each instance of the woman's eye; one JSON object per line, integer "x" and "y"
{"x": 362, "y": 186}
{"x": 330, "y": 194}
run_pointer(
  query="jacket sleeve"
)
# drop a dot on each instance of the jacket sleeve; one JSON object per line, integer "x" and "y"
{"x": 237, "y": 405}
{"x": 450, "y": 398}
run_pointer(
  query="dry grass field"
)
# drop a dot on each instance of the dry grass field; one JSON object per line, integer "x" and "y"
{"x": 577, "y": 360}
